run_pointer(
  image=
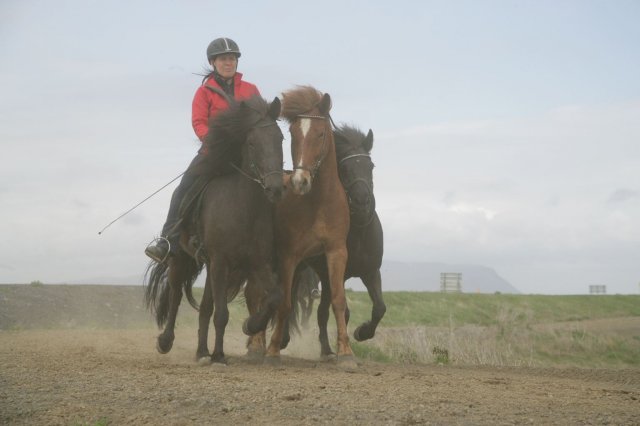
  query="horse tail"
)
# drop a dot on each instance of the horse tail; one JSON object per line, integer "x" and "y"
{"x": 157, "y": 288}
{"x": 192, "y": 272}
{"x": 296, "y": 295}
{"x": 235, "y": 283}
{"x": 299, "y": 296}
{"x": 156, "y": 291}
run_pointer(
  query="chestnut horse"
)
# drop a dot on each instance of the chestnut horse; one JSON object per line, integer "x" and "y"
{"x": 235, "y": 226}
{"x": 365, "y": 239}
{"x": 313, "y": 218}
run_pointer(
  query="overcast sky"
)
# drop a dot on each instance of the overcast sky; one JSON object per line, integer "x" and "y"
{"x": 506, "y": 132}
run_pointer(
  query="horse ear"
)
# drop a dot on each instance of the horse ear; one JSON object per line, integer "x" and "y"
{"x": 325, "y": 104}
{"x": 368, "y": 141}
{"x": 274, "y": 108}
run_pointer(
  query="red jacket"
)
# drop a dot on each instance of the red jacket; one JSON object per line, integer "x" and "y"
{"x": 207, "y": 104}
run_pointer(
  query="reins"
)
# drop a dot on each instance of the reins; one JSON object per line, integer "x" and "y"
{"x": 259, "y": 178}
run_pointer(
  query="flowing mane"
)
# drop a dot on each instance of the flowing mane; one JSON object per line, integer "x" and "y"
{"x": 227, "y": 133}
{"x": 232, "y": 125}
{"x": 298, "y": 101}
{"x": 348, "y": 140}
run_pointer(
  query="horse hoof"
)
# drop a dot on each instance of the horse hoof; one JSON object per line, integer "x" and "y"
{"x": 362, "y": 333}
{"x": 218, "y": 365}
{"x": 347, "y": 363}
{"x": 330, "y": 357}
{"x": 273, "y": 361}
{"x": 163, "y": 346}
{"x": 218, "y": 359}
{"x": 204, "y": 360}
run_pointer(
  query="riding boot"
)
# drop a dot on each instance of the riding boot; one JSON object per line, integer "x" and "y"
{"x": 169, "y": 243}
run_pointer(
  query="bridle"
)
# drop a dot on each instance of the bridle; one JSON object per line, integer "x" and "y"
{"x": 258, "y": 177}
{"x": 313, "y": 170}
{"x": 349, "y": 185}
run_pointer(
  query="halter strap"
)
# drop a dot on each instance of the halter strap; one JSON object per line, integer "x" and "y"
{"x": 311, "y": 116}
{"x": 352, "y": 156}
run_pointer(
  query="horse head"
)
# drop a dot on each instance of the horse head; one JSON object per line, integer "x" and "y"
{"x": 355, "y": 168}
{"x": 262, "y": 150}
{"x": 307, "y": 111}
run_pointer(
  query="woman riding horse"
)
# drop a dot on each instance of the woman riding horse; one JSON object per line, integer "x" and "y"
{"x": 212, "y": 97}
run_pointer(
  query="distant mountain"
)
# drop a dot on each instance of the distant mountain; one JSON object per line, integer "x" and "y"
{"x": 425, "y": 276}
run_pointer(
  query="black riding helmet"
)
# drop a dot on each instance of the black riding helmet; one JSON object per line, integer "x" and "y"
{"x": 222, "y": 45}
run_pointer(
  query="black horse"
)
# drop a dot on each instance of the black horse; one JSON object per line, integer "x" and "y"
{"x": 235, "y": 226}
{"x": 365, "y": 239}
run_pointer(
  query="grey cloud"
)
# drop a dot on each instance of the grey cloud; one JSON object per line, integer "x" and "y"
{"x": 621, "y": 195}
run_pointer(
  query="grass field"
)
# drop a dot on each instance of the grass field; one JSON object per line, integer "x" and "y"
{"x": 499, "y": 329}
{"x": 462, "y": 329}
{"x": 586, "y": 331}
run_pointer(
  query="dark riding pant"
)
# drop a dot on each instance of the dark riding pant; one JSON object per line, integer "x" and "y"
{"x": 171, "y": 230}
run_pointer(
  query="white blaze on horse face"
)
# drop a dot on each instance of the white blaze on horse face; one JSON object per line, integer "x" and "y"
{"x": 305, "y": 125}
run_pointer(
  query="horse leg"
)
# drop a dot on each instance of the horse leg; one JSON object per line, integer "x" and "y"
{"x": 367, "y": 330}
{"x": 221, "y": 310}
{"x": 323, "y": 320}
{"x": 287, "y": 268}
{"x": 336, "y": 263}
{"x": 262, "y": 303}
{"x": 176, "y": 275}
{"x": 265, "y": 296}
{"x": 256, "y": 346}
{"x": 206, "y": 310}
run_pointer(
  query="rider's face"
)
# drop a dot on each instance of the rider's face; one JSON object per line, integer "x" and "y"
{"x": 226, "y": 64}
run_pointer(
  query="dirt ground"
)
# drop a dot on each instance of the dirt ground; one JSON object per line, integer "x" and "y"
{"x": 71, "y": 375}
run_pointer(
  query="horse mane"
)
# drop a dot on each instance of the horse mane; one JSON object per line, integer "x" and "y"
{"x": 298, "y": 101}
{"x": 348, "y": 140}
{"x": 227, "y": 133}
{"x": 232, "y": 125}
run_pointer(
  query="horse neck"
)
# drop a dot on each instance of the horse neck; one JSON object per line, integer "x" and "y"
{"x": 245, "y": 161}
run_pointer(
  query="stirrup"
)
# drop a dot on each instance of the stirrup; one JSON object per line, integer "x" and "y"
{"x": 155, "y": 242}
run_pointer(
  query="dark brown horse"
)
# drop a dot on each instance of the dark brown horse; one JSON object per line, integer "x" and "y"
{"x": 235, "y": 226}
{"x": 313, "y": 218}
{"x": 365, "y": 239}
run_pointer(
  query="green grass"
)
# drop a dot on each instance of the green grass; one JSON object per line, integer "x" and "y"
{"x": 445, "y": 310}
{"x": 418, "y": 327}
{"x": 498, "y": 329}
{"x": 485, "y": 329}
